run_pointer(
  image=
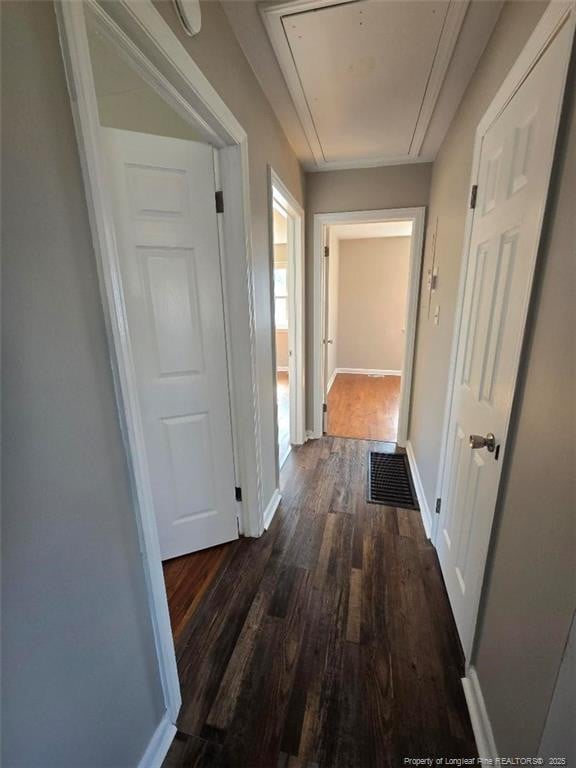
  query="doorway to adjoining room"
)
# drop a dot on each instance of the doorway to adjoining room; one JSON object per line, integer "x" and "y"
{"x": 287, "y": 295}
{"x": 367, "y": 274}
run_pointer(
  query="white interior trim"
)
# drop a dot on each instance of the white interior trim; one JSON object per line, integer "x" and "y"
{"x": 272, "y": 13}
{"x": 481, "y": 725}
{"x": 142, "y": 36}
{"x": 369, "y": 371}
{"x": 323, "y": 220}
{"x": 279, "y": 193}
{"x": 425, "y": 512}
{"x": 331, "y": 380}
{"x": 270, "y": 510}
{"x": 159, "y": 744}
{"x": 554, "y": 18}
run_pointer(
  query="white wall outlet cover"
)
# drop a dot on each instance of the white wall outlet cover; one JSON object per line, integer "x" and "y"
{"x": 190, "y": 15}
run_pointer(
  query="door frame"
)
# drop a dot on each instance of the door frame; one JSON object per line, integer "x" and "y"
{"x": 279, "y": 192}
{"x": 554, "y": 18}
{"x": 321, "y": 222}
{"x": 142, "y": 37}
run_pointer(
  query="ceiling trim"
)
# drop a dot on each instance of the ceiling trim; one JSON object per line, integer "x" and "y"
{"x": 448, "y": 39}
{"x": 375, "y": 162}
{"x": 272, "y": 15}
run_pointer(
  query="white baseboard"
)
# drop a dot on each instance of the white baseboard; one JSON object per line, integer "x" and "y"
{"x": 159, "y": 744}
{"x": 331, "y": 380}
{"x": 424, "y": 508}
{"x": 370, "y": 371}
{"x": 271, "y": 508}
{"x": 282, "y": 369}
{"x": 311, "y": 435}
{"x": 483, "y": 734}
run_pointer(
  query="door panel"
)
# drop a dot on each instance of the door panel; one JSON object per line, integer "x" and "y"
{"x": 165, "y": 218}
{"x": 512, "y": 187}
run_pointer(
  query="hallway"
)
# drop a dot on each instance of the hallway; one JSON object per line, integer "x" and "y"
{"x": 329, "y": 641}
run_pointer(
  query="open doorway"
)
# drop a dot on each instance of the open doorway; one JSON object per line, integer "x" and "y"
{"x": 287, "y": 226}
{"x": 366, "y": 327}
{"x": 367, "y": 266}
{"x": 160, "y": 151}
{"x": 161, "y": 176}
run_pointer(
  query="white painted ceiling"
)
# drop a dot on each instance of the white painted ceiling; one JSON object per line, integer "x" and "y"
{"x": 363, "y": 83}
{"x": 371, "y": 230}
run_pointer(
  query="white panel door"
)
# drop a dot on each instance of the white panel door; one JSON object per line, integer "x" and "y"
{"x": 163, "y": 194}
{"x": 512, "y": 188}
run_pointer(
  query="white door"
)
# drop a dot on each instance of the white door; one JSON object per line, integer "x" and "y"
{"x": 512, "y": 189}
{"x": 163, "y": 193}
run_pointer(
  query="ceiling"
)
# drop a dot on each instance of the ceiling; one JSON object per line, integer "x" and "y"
{"x": 367, "y": 82}
{"x": 371, "y": 229}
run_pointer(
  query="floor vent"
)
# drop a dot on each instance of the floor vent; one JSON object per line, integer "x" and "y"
{"x": 390, "y": 481}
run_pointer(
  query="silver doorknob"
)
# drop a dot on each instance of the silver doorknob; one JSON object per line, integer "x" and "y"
{"x": 488, "y": 442}
{"x": 329, "y": 341}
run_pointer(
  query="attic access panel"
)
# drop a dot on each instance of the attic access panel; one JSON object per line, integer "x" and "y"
{"x": 367, "y": 60}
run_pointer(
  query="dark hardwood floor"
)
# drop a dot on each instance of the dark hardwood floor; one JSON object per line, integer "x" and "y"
{"x": 327, "y": 642}
{"x": 187, "y": 579}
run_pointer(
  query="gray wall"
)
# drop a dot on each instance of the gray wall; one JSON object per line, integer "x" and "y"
{"x": 531, "y": 591}
{"x": 80, "y": 681}
{"x": 530, "y": 594}
{"x": 396, "y": 186}
{"x": 559, "y": 737}
{"x": 218, "y": 54}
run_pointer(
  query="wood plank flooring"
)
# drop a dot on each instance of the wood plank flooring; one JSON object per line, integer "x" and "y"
{"x": 364, "y": 407}
{"x": 329, "y": 641}
{"x": 283, "y": 414}
{"x": 187, "y": 579}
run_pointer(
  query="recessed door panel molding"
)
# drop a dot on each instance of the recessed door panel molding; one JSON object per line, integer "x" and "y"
{"x": 157, "y": 191}
{"x": 176, "y": 319}
{"x": 385, "y": 61}
{"x": 189, "y": 450}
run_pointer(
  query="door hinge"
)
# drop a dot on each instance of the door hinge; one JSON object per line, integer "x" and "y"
{"x": 324, "y": 408}
{"x": 473, "y": 196}
{"x": 238, "y": 493}
{"x": 438, "y": 505}
{"x": 326, "y": 251}
{"x": 219, "y": 201}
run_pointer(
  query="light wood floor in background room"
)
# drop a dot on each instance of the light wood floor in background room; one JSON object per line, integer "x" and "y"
{"x": 327, "y": 642}
{"x": 283, "y": 394}
{"x": 365, "y": 407}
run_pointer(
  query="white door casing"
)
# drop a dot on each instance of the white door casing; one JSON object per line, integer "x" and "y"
{"x": 165, "y": 217}
{"x": 513, "y": 178}
{"x": 322, "y": 223}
